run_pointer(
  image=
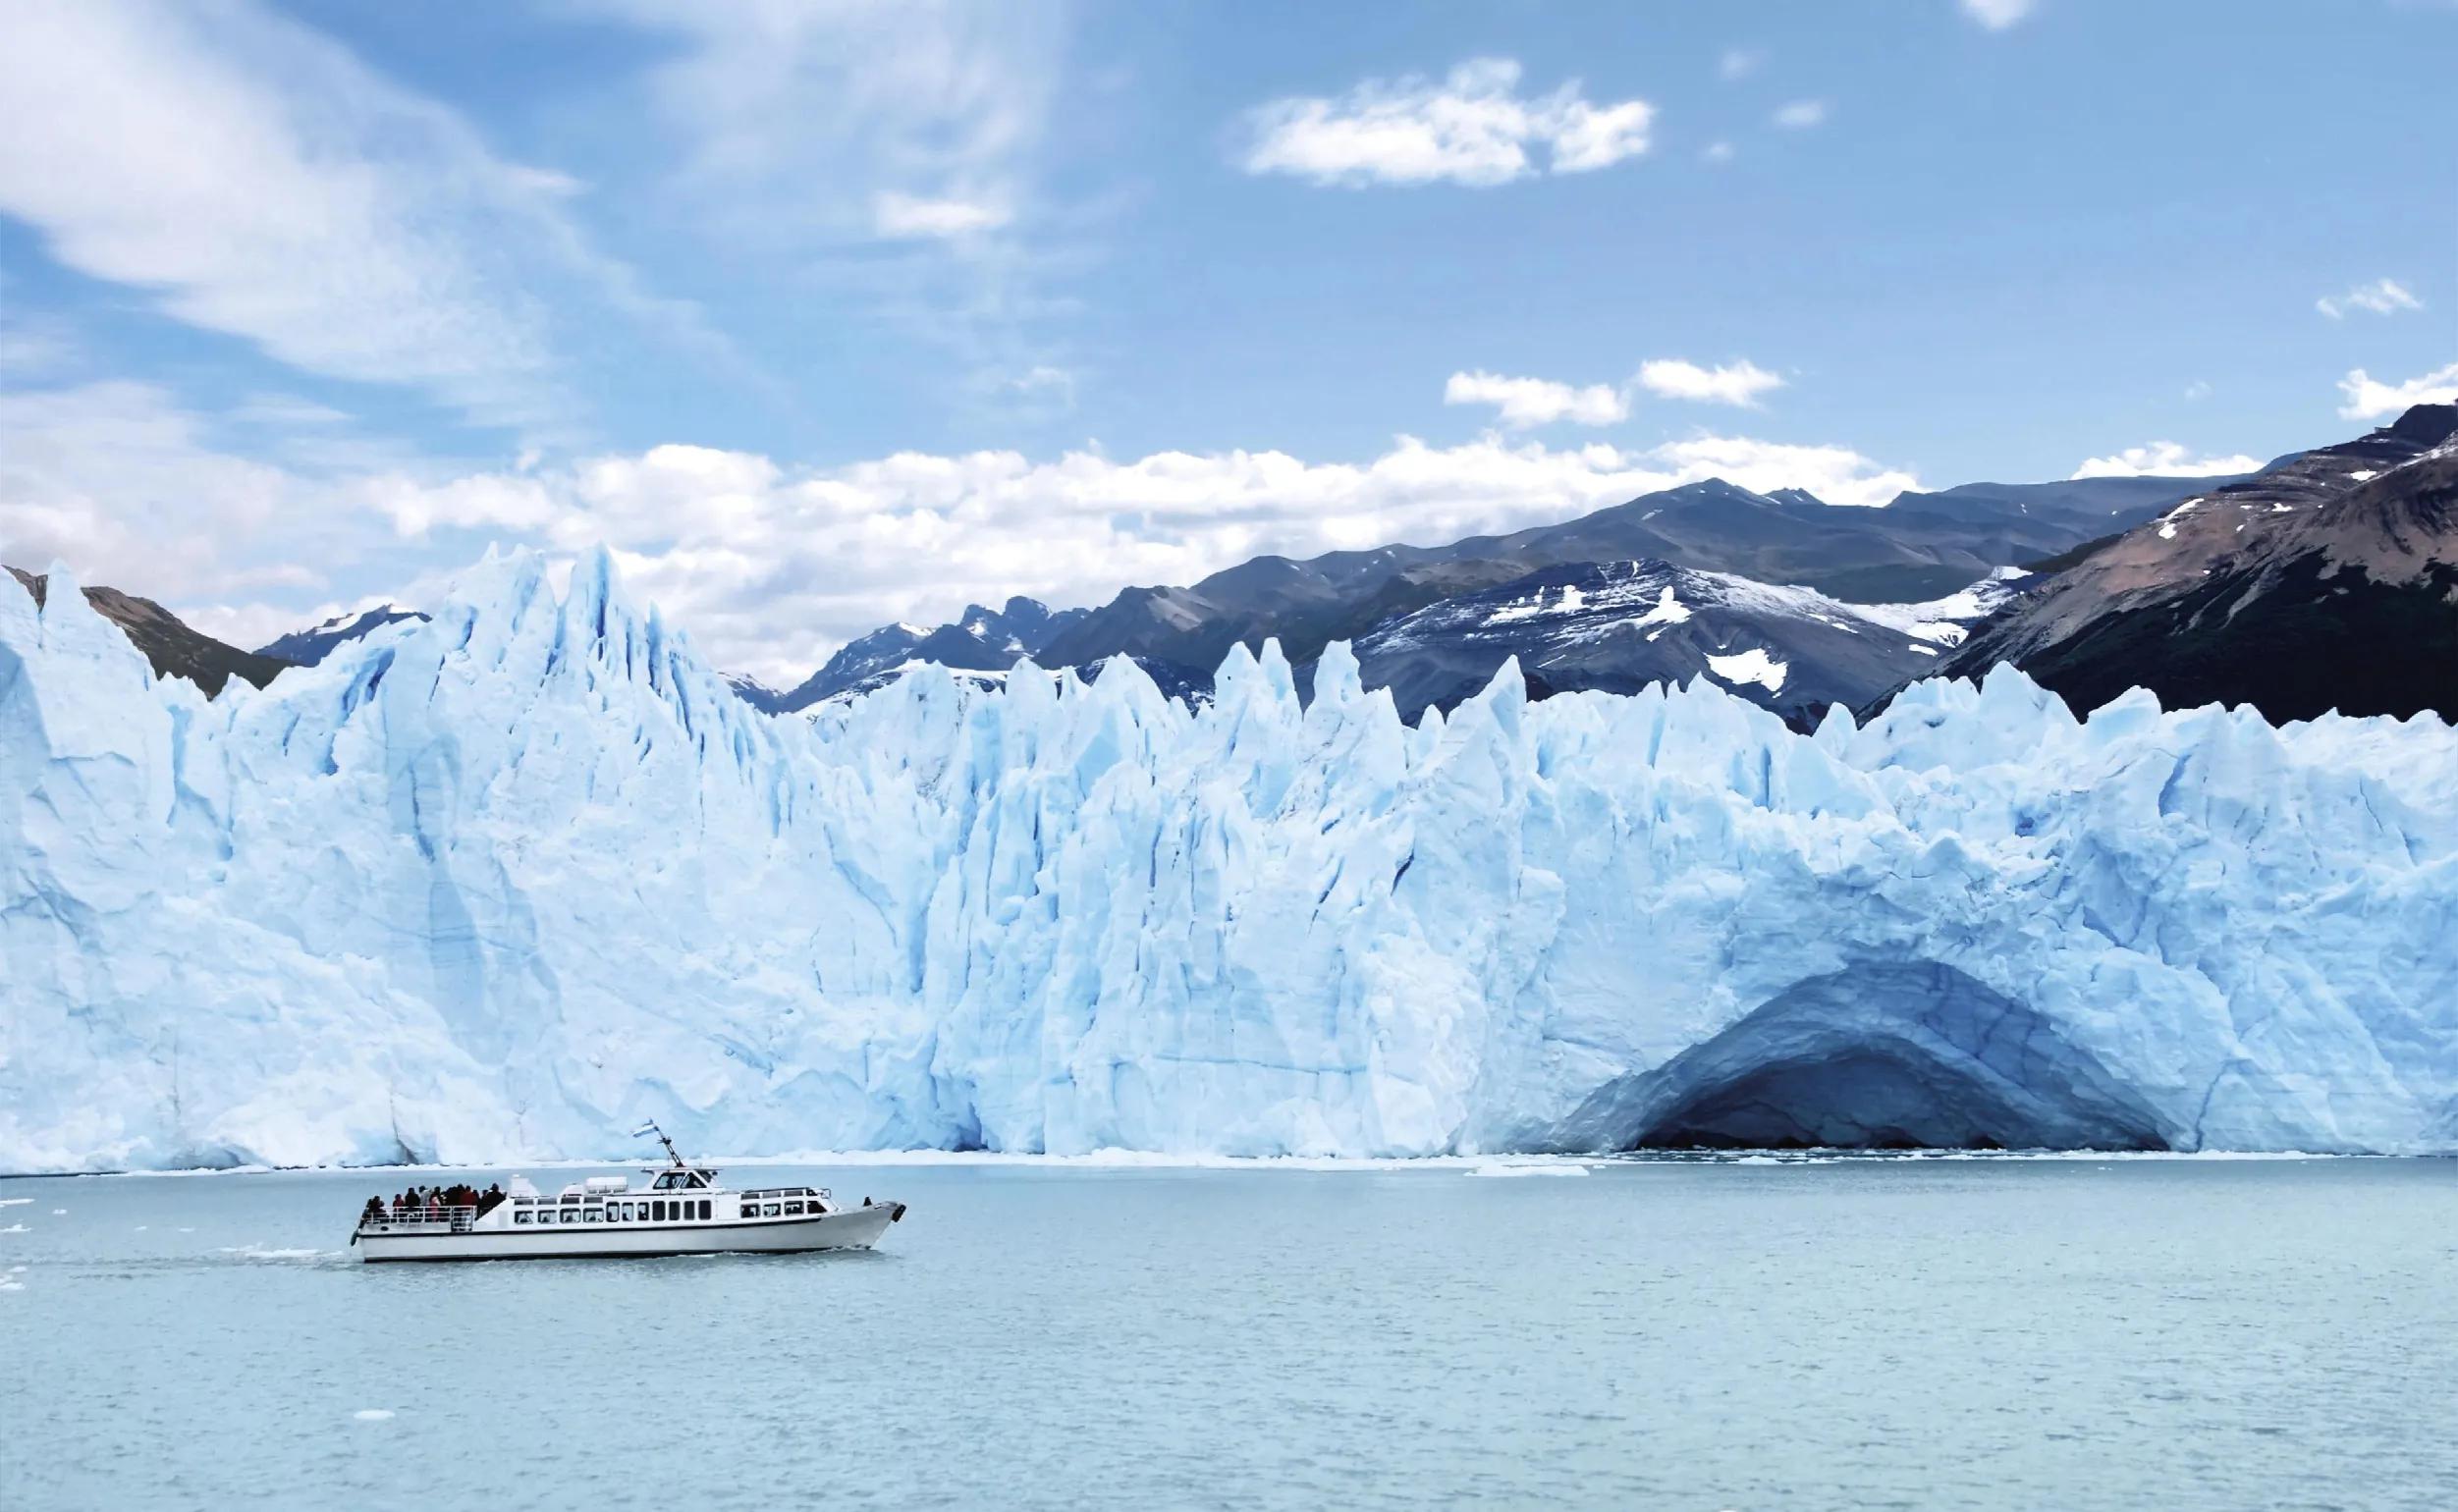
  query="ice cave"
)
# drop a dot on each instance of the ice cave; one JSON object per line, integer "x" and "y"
{"x": 1885, "y": 1055}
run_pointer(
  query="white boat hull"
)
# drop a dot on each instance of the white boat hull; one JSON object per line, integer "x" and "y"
{"x": 850, "y": 1228}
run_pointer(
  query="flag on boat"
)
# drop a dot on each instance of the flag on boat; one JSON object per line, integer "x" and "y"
{"x": 649, "y": 1128}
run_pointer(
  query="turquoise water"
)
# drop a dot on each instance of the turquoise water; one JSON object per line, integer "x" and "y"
{"x": 1909, "y": 1332}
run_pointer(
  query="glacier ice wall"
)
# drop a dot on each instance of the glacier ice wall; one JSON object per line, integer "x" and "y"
{"x": 501, "y": 885}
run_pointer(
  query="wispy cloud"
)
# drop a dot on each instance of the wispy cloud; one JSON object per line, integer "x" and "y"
{"x": 256, "y": 180}
{"x": 1738, "y": 383}
{"x": 2382, "y": 296}
{"x": 2164, "y": 459}
{"x": 2368, "y": 398}
{"x": 1718, "y": 152}
{"x": 1473, "y": 127}
{"x": 886, "y": 156}
{"x": 1997, "y": 15}
{"x": 904, "y": 215}
{"x": 1739, "y": 63}
{"x": 1801, "y": 115}
{"x": 1524, "y": 402}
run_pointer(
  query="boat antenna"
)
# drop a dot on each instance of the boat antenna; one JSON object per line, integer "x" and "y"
{"x": 672, "y": 1153}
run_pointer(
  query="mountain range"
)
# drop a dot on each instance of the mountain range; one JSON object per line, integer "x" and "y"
{"x": 170, "y": 644}
{"x": 307, "y": 647}
{"x": 2328, "y": 580}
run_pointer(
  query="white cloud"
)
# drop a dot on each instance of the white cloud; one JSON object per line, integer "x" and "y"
{"x": 1739, "y": 383}
{"x": 904, "y": 215}
{"x": 1718, "y": 152}
{"x": 256, "y": 180}
{"x": 771, "y": 565}
{"x": 2368, "y": 398}
{"x": 1997, "y": 15}
{"x": 2198, "y": 389}
{"x": 1739, "y": 63}
{"x": 1523, "y": 403}
{"x": 2164, "y": 459}
{"x": 1800, "y": 115}
{"x": 2383, "y": 297}
{"x": 1471, "y": 128}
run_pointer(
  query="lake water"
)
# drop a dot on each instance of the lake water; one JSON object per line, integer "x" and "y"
{"x": 1909, "y": 1331}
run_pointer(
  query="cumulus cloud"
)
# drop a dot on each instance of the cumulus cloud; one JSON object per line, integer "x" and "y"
{"x": 1997, "y": 15}
{"x": 2164, "y": 459}
{"x": 1717, "y": 152}
{"x": 2370, "y": 399}
{"x": 1739, "y": 63}
{"x": 1739, "y": 383}
{"x": 1523, "y": 403}
{"x": 771, "y": 565}
{"x": 1473, "y": 127}
{"x": 2382, "y": 296}
{"x": 1801, "y": 115}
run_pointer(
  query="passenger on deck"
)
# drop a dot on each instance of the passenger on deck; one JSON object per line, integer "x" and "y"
{"x": 374, "y": 1210}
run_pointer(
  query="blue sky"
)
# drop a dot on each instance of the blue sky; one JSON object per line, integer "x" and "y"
{"x": 828, "y": 314}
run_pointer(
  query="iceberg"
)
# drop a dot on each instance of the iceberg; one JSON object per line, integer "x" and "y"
{"x": 501, "y": 885}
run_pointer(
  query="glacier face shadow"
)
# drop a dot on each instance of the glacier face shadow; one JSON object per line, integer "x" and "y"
{"x": 1882, "y": 1056}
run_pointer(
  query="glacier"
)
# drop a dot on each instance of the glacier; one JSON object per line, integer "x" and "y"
{"x": 500, "y": 884}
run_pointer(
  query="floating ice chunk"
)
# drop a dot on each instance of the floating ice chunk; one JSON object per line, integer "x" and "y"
{"x": 372, "y": 1414}
{"x": 1527, "y": 1168}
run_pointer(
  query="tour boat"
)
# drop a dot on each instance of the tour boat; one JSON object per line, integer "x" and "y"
{"x": 679, "y": 1209}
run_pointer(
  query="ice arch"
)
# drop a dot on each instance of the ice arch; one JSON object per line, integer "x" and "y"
{"x": 1880, "y": 1056}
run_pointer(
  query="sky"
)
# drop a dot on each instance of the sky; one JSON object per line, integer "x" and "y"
{"x": 824, "y": 315}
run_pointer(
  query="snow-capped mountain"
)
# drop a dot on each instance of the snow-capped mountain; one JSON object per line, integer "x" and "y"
{"x": 979, "y": 640}
{"x": 2328, "y": 582}
{"x": 503, "y": 883}
{"x": 1620, "y": 626}
{"x": 1921, "y": 546}
{"x": 171, "y": 646}
{"x": 306, "y": 648}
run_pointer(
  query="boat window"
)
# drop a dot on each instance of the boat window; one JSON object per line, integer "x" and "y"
{"x": 705, "y": 1207}
{"x": 794, "y": 1210}
{"x": 521, "y": 1217}
{"x": 590, "y": 1216}
{"x": 769, "y": 1211}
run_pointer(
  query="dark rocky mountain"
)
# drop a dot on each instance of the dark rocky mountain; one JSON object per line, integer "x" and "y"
{"x": 760, "y": 695}
{"x": 2328, "y": 582}
{"x": 985, "y": 640}
{"x": 1619, "y": 627}
{"x": 1921, "y": 546}
{"x": 174, "y": 649}
{"x": 307, "y": 647}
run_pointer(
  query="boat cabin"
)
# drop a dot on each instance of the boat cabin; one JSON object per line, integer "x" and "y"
{"x": 690, "y": 1196}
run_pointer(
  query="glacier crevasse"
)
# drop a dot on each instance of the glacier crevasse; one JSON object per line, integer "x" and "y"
{"x": 501, "y": 885}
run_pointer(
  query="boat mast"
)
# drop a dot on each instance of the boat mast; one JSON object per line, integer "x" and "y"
{"x": 672, "y": 1153}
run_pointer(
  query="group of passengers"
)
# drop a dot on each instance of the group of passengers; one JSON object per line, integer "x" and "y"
{"x": 432, "y": 1204}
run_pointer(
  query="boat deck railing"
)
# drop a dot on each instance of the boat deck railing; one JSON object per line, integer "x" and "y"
{"x": 434, "y": 1220}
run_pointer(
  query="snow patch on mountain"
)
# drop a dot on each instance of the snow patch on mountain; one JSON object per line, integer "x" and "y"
{"x": 1751, "y": 666}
